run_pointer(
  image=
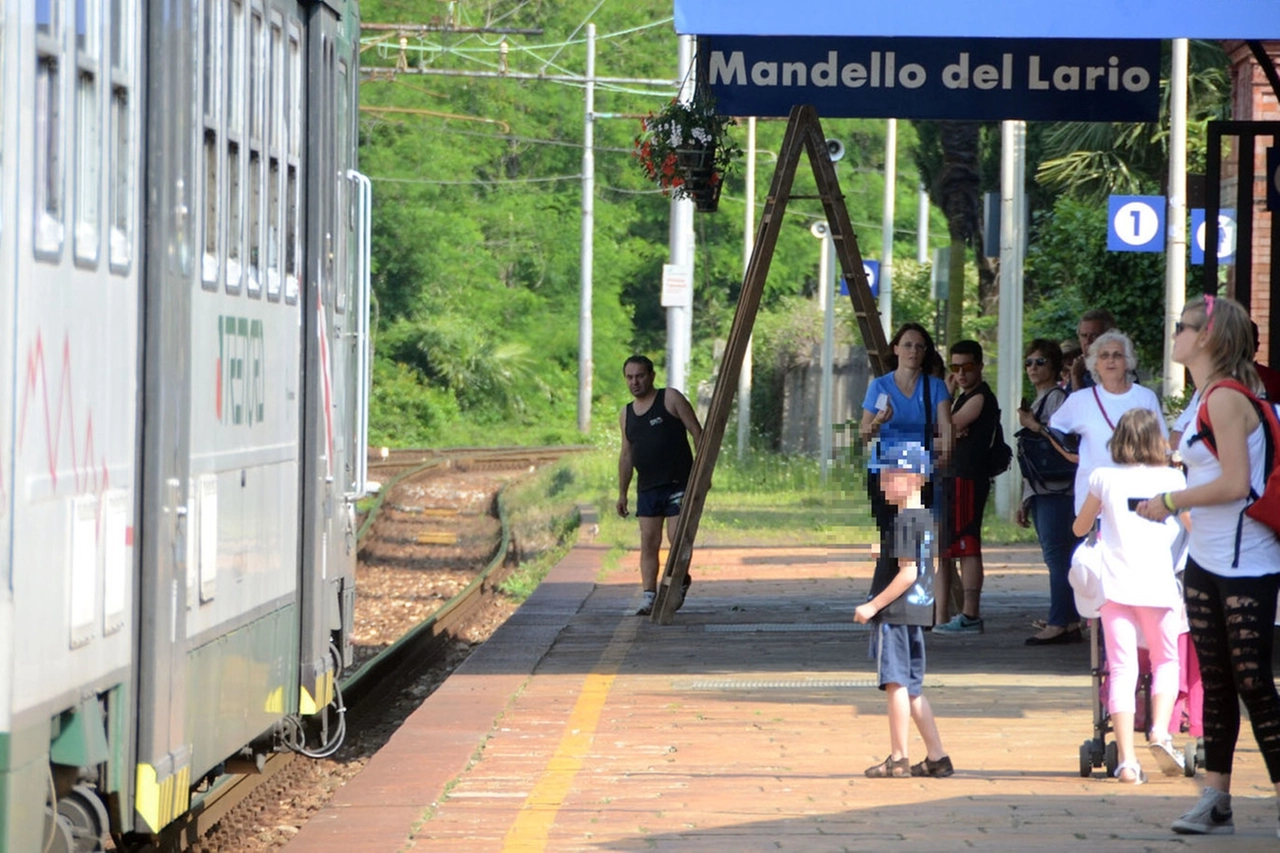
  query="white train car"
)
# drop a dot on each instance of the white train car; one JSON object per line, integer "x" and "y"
{"x": 183, "y": 289}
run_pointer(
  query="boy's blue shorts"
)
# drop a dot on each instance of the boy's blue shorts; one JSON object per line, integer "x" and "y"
{"x": 899, "y": 654}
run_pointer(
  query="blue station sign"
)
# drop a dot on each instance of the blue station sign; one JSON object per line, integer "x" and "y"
{"x": 934, "y": 78}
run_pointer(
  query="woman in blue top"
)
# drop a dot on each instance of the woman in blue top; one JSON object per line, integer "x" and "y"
{"x": 894, "y": 410}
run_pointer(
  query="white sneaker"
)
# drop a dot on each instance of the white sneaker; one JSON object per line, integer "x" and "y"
{"x": 1211, "y": 815}
{"x": 1170, "y": 760}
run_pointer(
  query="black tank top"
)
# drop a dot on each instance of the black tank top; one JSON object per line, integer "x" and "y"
{"x": 659, "y": 446}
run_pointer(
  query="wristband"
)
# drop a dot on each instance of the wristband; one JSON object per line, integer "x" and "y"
{"x": 1167, "y": 497}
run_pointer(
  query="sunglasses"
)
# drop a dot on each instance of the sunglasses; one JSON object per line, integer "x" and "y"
{"x": 963, "y": 368}
{"x": 1179, "y": 326}
{"x": 1035, "y": 362}
{"x": 1110, "y": 356}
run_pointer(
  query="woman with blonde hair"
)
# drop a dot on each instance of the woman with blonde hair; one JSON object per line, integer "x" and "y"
{"x": 1231, "y": 578}
{"x": 1138, "y": 585}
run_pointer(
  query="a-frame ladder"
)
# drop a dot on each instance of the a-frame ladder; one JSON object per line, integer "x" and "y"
{"x": 804, "y": 135}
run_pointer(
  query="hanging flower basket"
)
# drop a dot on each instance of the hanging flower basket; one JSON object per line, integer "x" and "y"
{"x": 685, "y": 149}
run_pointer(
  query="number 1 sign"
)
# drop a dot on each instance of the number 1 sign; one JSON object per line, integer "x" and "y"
{"x": 1135, "y": 223}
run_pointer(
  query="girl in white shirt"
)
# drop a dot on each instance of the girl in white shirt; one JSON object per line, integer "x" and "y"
{"x": 1138, "y": 583}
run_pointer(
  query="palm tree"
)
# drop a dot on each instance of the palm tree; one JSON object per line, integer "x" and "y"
{"x": 1093, "y": 160}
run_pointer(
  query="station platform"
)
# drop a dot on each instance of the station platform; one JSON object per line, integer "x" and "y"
{"x": 746, "y": 724}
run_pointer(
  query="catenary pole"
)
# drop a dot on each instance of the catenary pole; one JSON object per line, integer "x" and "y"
{"x": 585, "y": 363}
{"x": 886, "y": 230}
{"x": 922, "y": 227}
{"x": 1009, "y": 336}
{"x": 1175, "y": 269}
{"x": 748, "y": 243}
{"x": 680, "y": 237}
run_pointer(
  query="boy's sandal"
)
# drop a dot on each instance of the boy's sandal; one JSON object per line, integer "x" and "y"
{"x": 939, "y": 769}
{"x": 889, "y": 768}
{"x": 1138, "y": 776}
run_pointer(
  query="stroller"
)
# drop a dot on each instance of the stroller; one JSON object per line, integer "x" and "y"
{"x": 1097, "y": 751}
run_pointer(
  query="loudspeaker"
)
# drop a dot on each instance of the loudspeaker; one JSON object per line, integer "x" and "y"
{"x": 835, "y": 150}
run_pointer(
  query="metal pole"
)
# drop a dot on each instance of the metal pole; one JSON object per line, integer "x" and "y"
{"x": 1175, "y": 269}
{"x": 1009, "y": 336}
{"x": 679, "y": 317}
{"x": 922, "y": 227}
{"x": 585, "y": 364}
{"x": 827, "y": 277}
{"x": 748, "y": 244}
{"x": 886, "y": 230}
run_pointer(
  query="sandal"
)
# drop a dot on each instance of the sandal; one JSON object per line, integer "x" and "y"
{"x": 940, "y": 768}
{"x": 1138, "y": 778}
{"x": 890, "y": 768}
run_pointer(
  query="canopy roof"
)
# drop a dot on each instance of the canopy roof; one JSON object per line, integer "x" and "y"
{"x": 1097, "y": 19}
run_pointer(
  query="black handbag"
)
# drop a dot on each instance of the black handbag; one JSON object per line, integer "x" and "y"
{"x": 1042, "y": 464}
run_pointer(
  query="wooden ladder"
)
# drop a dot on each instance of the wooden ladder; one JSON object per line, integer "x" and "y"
{"x": 804, "y": 135}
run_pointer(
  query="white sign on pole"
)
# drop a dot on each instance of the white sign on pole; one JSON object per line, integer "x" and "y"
{"x": 677, "y": 286}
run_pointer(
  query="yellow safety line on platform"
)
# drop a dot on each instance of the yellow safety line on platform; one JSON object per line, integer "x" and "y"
{"x": 538, "y": 814}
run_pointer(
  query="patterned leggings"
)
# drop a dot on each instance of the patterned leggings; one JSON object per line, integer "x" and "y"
{"x": 1231, "y": 625}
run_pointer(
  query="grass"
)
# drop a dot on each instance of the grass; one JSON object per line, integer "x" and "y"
{"x": 764, "y": 499}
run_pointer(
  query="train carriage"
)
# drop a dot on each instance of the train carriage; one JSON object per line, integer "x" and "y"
{"x": 183, "y": 240}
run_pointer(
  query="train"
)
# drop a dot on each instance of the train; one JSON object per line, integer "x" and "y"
{"x": 184, "y": 298}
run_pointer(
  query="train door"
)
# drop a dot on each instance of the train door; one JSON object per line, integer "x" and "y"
{"x": 163, "y": 772}
{"x": 328, "y": 559}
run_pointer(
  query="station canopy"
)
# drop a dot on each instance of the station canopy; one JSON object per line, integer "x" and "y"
{"x": 1024, "y": 19}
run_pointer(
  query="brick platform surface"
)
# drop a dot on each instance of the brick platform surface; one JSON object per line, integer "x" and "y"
{"x": 746, "y": 725}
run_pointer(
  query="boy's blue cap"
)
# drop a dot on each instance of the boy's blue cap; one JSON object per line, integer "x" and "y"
{"x": 910, "y": 456}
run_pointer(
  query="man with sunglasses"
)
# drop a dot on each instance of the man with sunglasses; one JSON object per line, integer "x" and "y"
{"x": 974, "y": 417}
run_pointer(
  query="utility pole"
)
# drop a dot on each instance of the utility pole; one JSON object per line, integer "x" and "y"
{"x": 1175, "y": 270}
{"x": 680, "y": 317}
{"x": 1013, "y": 155}
{"x": 748, "y": 244}
{"x": 585, "y": 364}
{"x": 922, "y": 227}
{"x": 886, "y": 228}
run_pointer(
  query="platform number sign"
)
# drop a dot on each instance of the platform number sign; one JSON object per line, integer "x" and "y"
{"x": 871, "y": 269}
{"x": 1226, "y": 236}
{"x": 1135, "y": 223}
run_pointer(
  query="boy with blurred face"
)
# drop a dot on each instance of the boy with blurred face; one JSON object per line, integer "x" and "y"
{"x": 899, "y": 608}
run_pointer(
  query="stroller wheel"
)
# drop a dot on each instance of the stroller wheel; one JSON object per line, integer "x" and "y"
{"x": 1086, "y": 759}
{"x": 1189, "y": 758}
{"x": 1112, "y": 759}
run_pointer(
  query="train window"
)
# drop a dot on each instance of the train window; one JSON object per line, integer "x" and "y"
{"x": 88, "y": 139}
{"x": 120, "y": 168}
{"x": 48, "y": 232}
{"x": 212, "y": 153}
{"x": 275, "y": 122}
{"x": 46, "y": 18}
{"x": 342, "y": 198}
{"x": 257, "y": 48}
{"x": 293, "y": 189}
{"x": 233, "y": 97}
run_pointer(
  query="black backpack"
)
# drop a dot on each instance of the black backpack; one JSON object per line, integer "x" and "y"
{"x": 999, "y": 455}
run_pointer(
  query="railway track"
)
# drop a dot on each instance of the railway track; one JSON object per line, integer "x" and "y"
{"x": 407, "y": 499}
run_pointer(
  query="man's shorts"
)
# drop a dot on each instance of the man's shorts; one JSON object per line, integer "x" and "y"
{"x": 899, "y": 654}
{"x": 661, "y": 501}
{"x": 966, "y": 500}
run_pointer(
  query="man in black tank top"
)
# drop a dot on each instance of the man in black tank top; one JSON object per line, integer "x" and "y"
{"x": 654, "y": 444}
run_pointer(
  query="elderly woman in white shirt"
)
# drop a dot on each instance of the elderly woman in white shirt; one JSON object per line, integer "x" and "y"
{"x": 1092, "y": 413}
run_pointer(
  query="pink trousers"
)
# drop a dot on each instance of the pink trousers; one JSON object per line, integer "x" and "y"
{"x": 1159, "y": 626}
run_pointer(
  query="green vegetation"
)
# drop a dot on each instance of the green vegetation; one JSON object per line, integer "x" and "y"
{"x": 477, "y": 251}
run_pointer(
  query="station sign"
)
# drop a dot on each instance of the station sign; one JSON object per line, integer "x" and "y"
{"x": 934, "y": 78}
